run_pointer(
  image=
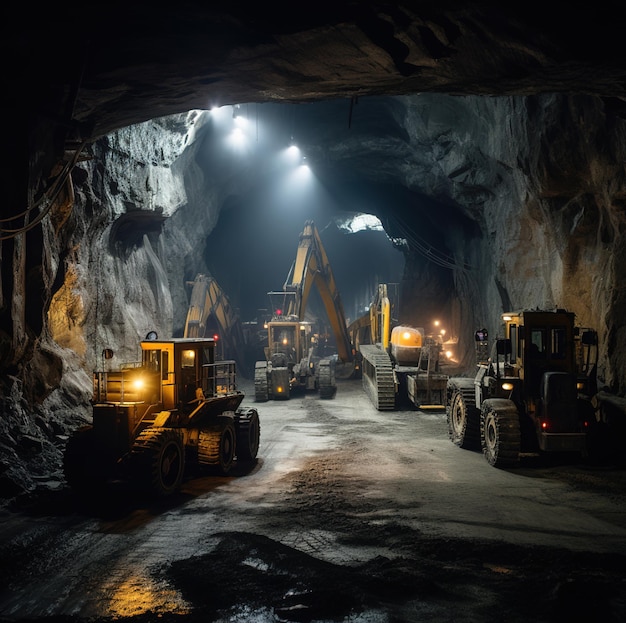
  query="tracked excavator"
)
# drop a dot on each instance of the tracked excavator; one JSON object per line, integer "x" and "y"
{"x": 293, "y": 359}
{"x": 174, "y": 409}
{"x": 399, "y": 364}
{"x": 532, "y": 394}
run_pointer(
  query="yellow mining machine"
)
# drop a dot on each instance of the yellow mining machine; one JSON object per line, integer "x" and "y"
{"x": 399, "y": 364}
{"x": 175, "y": 408}
{"x": 210, "y": 314}
{"x": 532, "y": 394}
{"x": 293, "y": 357}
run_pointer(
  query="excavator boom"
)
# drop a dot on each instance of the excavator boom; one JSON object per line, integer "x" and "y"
{"x": 311, "y": 267}
{"x": 210, "y": 312}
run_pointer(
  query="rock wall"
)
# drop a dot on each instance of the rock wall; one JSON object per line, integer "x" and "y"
{"x": 516, "y": 202}
{"x": 542, "y": 181}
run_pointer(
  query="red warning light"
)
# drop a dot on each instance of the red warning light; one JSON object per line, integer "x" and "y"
{"x": 216, "y": 336}
{"x": 279, "y": 312}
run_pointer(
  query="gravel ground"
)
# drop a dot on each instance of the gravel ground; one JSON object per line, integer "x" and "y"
{"x": 349, "y": 514}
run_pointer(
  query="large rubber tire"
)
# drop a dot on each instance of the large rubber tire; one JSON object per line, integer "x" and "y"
{"x": 261, "y": 382}
{"x": 158, "y": 459}
{"x": 86, "y": 464}
{"x": 500, "y": 432}
{"x": 217, "y": 444}
{"x": 462, "y": 415}
{"x": 248, "y": 429}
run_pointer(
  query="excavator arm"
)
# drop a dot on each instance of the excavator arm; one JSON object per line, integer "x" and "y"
{"x": 311, "y": 267}
{"x": 210, "y": 311}
{"x": 374, "y": 327}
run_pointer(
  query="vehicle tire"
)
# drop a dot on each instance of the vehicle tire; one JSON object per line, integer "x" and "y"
{"x": 216, "y": 444}
{"x": 326, "y": 379}
{"x": 86, "y": 464}
{"x": 261, "y": 382}
{"x": 462, "y": 415}
{"x": 158, "y": 459}
{"x": 500, "y": 432}
{"x": 248, "y": 430}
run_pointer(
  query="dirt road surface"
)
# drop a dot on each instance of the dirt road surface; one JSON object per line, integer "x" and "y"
{"x": 350, "y": 514}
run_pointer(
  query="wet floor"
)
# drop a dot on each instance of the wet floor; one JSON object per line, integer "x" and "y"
{"x": 350, "y": 514}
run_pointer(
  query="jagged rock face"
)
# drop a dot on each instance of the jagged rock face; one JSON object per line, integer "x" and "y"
{"x": 503, "y": 209}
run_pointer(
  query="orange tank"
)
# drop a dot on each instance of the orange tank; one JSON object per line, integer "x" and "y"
{"x": 406, "y": 344}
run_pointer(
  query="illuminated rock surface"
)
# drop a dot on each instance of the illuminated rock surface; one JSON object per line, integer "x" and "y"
{"x": 514, "y": 200}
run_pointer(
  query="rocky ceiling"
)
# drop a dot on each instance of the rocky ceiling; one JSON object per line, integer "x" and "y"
{"x": 90, "y": 69}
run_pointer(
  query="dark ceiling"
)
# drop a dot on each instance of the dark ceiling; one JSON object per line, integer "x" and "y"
{"x": 86, "y": 69}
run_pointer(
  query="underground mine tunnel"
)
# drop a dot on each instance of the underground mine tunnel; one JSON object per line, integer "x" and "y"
{"x": 473, "y": 156}
{"x": 474, "y": 137}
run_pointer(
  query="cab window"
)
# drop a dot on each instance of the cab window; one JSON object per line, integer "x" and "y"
{"x": 166, "y": 362}
{"x": 152, "y": 360}
{"x": 514, "y": 344}
{"x": 558, "y": 343}
{"x": 284, "y": 337}
{"x": 206, "y": 356}
{"x": 537, "y": 343}
{"x": 188, "y": 358}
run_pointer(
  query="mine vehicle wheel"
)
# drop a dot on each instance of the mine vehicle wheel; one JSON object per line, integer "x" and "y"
{"x": 261, "y": 384}
{"x": 159, "y": 458}
{"x": 85, "y": 462}
{"x": 216, "y": 444}
{"x": 500, "y": 432}
{"x": 248, "y": 434}
{"x": 327, "y": 385}
{"x": 463, "y": 416}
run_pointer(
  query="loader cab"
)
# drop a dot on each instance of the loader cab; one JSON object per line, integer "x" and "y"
{"x": 182, "y": 367}
{"x": 289, "y": 340}
{"x": 540, "y": 342}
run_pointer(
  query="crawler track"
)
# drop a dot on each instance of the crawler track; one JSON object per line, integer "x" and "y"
{"x": 378, "y": 377}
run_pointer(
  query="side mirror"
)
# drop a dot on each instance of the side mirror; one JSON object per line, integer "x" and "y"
{"x": 589, "y": 338}
{"x": 503, "y": 347}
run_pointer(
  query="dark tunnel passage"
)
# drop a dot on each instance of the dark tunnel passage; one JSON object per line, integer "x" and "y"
{"x": 489, "y": 141}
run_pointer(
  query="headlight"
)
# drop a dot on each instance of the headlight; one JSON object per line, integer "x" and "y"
{"x": 580, "y": 385}
{"x": 507, "y": 387}
{"x": 138, "y": 384}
